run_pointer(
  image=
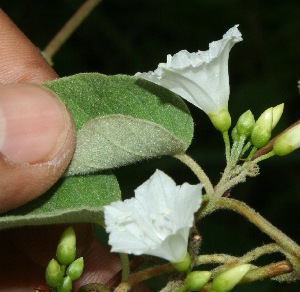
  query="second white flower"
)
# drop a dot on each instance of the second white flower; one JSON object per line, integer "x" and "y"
{"x": 157, "y": 221}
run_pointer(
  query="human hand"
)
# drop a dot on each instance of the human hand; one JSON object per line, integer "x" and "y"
{"x": 37, "y": 140}
{"x": 37, "y": 135}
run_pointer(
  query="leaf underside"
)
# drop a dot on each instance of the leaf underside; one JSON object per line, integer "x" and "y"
{"x": 90, "y": 96}
{"x": 117, "y": 140}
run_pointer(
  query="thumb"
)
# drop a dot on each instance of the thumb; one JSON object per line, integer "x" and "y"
{"x": 37, "y": 140}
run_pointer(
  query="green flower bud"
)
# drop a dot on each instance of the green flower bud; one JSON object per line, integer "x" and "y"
{"x": 66, "y": 285}
{"x": 184, "y": 264}
{"x": 54, "y": 274}
{"x": 262, "y": 130}
{"x": 287, "y": 142}
{"x": 235, "y": 135}
{"x": 277, "y": 113}
{"x": 196, "y": 280}
{"x": 66, "y": 248}
{"x": 221, "y": 120}
{"x": 227, "y": 280}
{"x": 245, "y": 124}
{"x": 75, "y": 269}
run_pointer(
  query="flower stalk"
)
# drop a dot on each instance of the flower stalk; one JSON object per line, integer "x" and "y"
{"x": 125, "y": 266}
{"x": 144, "y": 275}
{"x": 227, "y": 145}
{"x": 70, "y": 26}
{"x": 197, "y": 170}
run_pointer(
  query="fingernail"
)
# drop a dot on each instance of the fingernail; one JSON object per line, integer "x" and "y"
{"x": 34, "y": 123}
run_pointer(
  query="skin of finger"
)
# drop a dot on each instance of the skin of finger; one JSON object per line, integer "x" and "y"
{"x": 20, "y": 60}
{"x": 24, "y": 182}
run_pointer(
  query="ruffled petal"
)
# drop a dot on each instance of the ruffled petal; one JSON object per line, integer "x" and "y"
{"x": 155, "y": 222}
{"x": 201, "y": 78}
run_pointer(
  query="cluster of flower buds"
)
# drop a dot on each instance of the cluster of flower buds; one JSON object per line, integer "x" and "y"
{"x": 259, "y": 131}
{"x": 62, "y": 272}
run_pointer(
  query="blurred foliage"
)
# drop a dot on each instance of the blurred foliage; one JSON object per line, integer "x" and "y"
{"x": 135, "y": 35}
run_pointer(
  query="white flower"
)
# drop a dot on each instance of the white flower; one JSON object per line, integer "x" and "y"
{"x": 202, "y": 77}
{"x": 157, "y": 221}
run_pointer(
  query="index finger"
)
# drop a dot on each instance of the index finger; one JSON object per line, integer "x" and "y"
{"x": 25, "y": 179}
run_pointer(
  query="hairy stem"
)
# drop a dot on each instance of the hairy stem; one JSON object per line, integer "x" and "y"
{"x": 273, "y": 232}
{"x": 247, "y": 258}
{"x": 214, "y": 259}
{"x": 197, "y": 170}
{"x": 264, "y": 156}
{"x": 125, "y": 266}
{"x": 69, "y": 27}
{"x": 144, "y": 275}
{"x": 227, "y": 145}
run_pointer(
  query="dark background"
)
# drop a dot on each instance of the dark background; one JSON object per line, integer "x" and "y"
{"x": 135, "y": 35}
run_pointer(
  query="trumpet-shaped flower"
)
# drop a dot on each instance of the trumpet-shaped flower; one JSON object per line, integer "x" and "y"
{"x": 157, "y": 221}
{"x": 201, "y": 77}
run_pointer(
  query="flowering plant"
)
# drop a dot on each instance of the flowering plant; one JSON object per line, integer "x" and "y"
{"x": 125, "y": 119}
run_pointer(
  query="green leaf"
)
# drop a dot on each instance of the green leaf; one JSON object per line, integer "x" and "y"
{"x": 145, "y": 109}
{"x": 119, "y": 120}
{"x": 72, "y": 199}
{"x": 115, "y": 140}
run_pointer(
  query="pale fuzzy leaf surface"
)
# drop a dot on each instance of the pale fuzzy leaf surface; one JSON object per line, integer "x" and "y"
{"x": 73, "y": 199}
{"x": 114, "y": 140}
{"x": 93, "y": 95}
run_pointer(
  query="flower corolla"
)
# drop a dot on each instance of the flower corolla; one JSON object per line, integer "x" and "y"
{"x": 156, "y": 221}
{"x": 201, "y": 77}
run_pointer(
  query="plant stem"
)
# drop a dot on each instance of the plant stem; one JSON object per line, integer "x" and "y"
{"x": 258, "y": 252}
{"x": 197, "y": 170}
{"x": 143, "y": 275}
{"x": 283, "y": 241}
{"x": 69, "y": 27}
{"x": 214, "y": 259}
{"x": 227, "y": 145}
{"x": 264, "y": 156}
{"x": 238, "y": 174}
{"x": 133, "y": 265}
{"x": 125, "y": 266}
{"x": 229, "y": 260}
{"x": 247, "y": 258}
